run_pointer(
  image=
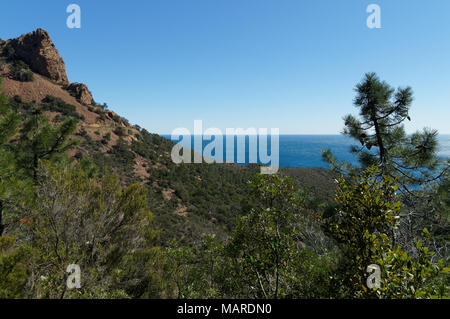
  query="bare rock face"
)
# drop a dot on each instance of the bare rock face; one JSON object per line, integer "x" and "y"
{"x": 81, "y": 92}
{"x": 38, "y": 51}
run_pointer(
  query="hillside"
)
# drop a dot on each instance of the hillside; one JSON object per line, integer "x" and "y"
{"x": 187, "y": 200}
{"x": 93, "y": 207}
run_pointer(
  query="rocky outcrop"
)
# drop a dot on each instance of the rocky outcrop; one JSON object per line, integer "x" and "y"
{"x": 81, "y": 92}
{"x": 38, "y": 51}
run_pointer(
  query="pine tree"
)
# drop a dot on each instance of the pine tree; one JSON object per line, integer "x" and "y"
{"x": 410, "y": 159}
{"x": 9, "y": 121}
{"x": 19, "y": 157}
{"x": 40, "y": 140}
{"x": 383, "y": 141}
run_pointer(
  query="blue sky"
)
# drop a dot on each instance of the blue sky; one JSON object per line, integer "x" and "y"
{"x": 288, "y": 64}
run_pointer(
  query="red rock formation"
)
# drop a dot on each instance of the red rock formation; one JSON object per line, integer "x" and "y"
{"x": 38, "y": 51}
{"x": 81, "y": 92}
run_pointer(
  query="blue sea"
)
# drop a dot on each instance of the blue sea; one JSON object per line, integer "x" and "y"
{"x": 305, "y": 150}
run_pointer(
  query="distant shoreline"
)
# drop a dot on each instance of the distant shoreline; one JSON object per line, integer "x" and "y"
{"x": 304, "y": 150}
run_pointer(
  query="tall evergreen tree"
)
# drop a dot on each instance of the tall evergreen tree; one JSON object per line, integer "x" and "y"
{"x": 9, "y": 121}
{"x": 410, "y": 159}
{"x": 383, "y": 141}
{"x": 41, "y": 140}
{"x": 20, "y": 156}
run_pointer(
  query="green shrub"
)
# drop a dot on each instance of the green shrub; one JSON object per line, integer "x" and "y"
{"x": 55, "y": 104}
{"x": 119, "y": 131}
{"x": 106, "y": 138}
{"x": 101, "y": 117}
{"x": 368, "y": 214}
{"x": 20, "y": 71}
{"x": 58, "y": 118}
{"x": 9, "y": 52}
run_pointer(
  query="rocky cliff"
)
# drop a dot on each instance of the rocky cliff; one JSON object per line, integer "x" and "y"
{"x": 38, "y": 51}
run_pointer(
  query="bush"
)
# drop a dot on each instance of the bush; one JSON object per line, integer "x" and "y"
{"x": 54, "y": 104}
{"x": 101, "y": 117}
{"x": 58, "y": 118}
{"x": 20, "y": 71}
{"x": 119, "y": 131}
{"x": 9, "y": 52}
{"x": 106, "y": 139}
{"x": 368, "y": 214}
{"x": 82, "y": 132}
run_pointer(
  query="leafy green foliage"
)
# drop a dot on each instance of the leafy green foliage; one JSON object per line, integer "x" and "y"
{"x": 404, "y": 276}
{"x": 213, "y": 234}
{"x": 266, "y": 236}
{"x": 93, "y": 223}
{"x": 266, "y": 247}
{"x": 14, "y": 268}
{"x": 363, "y": 227}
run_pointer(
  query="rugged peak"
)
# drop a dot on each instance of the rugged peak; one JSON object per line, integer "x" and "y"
{"x": 81, "y": 92}
{"x": 39, "y": 52}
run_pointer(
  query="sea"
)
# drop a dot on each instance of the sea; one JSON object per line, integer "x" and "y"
{"x": 305, "y": 150}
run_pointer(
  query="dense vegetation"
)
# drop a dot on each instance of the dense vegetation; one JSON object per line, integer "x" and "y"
{"x": 219, "y": 231}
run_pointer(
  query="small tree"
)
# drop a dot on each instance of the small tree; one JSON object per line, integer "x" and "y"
{"x": 39, "y": 140}
{"x": 266, "y": 248}
{"x": 367, "y": 214}
{"x": 92, "y": 223}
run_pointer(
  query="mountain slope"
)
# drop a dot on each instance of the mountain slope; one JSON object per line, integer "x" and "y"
{"x": 187, "y": 199}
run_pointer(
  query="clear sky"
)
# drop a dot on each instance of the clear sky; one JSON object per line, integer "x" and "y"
{"x": 288, "y": 64}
